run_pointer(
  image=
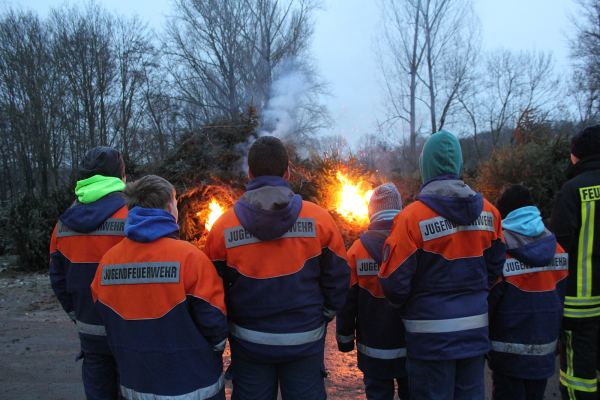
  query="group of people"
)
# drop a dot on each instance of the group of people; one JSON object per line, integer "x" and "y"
{"x": 427, "y": 294}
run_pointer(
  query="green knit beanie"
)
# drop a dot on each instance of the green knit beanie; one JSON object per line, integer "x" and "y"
{"x": 441, "y": 156}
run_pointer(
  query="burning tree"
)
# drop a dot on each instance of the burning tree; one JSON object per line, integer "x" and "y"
{"x": 344, "y": 189}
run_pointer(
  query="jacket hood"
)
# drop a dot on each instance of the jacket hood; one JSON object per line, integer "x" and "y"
{"x": 96, "y": 187}
{"x": 374, "y": 245}
{"x": 585, "y": 164}
{"x": 269, "y": 208}
{"x": 525, "y": 220}
{"x": 441, "y": 156}
{"x": 452, "y": 199}
{"x": 537, "y": 251}
{"x": 85, "y": 218}
{"x": 145, "y": 225}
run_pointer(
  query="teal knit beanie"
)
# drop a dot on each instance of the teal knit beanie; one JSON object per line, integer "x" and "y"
{"x": 441, "y": 156}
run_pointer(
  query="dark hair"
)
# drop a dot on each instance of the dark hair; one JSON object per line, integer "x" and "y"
{"x": 267, "y": 156}
{"x": 151, "y": 191}
{"x": 514, "y": 197}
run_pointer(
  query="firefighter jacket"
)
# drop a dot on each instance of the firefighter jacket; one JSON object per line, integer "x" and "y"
{"x": 526, "y": 305}
{"x": 368, "y": 315}
{"x": 163, "y": 306}
{"x": 445, "y": 251}
{"x": 81, "y": 237}
{"x": 283, "y": 264}
{"x": 577, "y": 228}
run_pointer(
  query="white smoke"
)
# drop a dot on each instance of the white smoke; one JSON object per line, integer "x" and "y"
{"x": 277, "y": 117}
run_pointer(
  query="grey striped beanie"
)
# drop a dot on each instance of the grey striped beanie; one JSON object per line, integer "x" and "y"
{"x": 385, "y": 197}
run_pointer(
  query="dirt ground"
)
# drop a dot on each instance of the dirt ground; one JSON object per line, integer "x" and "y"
{"x": 38, "y": 345}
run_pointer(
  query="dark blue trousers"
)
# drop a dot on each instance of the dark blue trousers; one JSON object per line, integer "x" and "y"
{"x": 508, "y": 388}
{"x": 100, "y": 376}
{"x": 383, "y": 389}
{"x": 446, "y": 379}
{"x": 300, "y": 379}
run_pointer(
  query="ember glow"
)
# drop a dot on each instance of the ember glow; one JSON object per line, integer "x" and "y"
{"x": 353, "y": 202}
{"x": 215, "y": 212}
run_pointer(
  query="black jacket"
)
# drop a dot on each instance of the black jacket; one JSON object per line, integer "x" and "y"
{"x": 576, "y": 224}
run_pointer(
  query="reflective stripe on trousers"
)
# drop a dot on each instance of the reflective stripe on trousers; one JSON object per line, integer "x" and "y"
{"x": 277, "y": 339}
{"x": 446, "y": 325}
{"x": 345, "y": 339}
{"x": 524, "y": 349}
{"x": 200, "y": 394}
{"x": 568, "y": 379}
{"x": 98, "y": 330}
{"x": 381, "y": 353}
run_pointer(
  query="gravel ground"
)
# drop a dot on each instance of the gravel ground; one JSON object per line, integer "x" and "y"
{"x": 38, "y": 344}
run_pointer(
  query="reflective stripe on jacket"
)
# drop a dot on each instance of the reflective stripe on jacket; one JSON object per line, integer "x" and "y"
{"x": 74, "y": 258}
{"x": 526, "y": 307}
{"x": 576, "y": 222}
{"x": 381, "y": 349}
{"x": 280, "y": 293}
{"x": 438, "y": 273}
{"x": 163, "y": 307}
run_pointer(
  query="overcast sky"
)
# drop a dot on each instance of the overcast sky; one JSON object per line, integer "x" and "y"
{"x": 343, "y": 52}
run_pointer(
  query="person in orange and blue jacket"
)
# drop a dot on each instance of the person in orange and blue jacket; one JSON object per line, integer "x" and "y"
{"x": 88, "y": 229}
{"x": 444, "y": 253}
{"x": 367, "y": 315}
{"x": 526, "y": 303}
{"x": 283, "y": 264}
{"x": 162, "y": 303}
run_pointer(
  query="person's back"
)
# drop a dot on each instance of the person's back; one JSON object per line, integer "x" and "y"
{"x": 575, "y": 221}
{"x": 367, "y": 317}
{"x": 444, "y": 252}
{"x": 526, "y": 303}
{"x": 283, "y": 264}
{"x": 162, "y": 303}
{"x": 85, "y": 232}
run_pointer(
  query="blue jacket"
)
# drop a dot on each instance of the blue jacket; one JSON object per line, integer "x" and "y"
{"x": 368, "y": 315}
{"x": 444, "y": 252}
{"x": 81, "y": 237}
{"x": 526, "y": 305}
{"x": 284, "y": 268}
{"x": 163, "y": 306}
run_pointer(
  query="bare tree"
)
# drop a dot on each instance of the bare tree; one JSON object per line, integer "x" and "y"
{"x": 427, "y": 51}
{"x": 515, "y": 82}
{"x": 585, "y": 54}
{"x": 400, "y": 50}
{"x": 205, "y": 47}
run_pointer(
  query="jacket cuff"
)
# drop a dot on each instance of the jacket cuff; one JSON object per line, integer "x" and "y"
{"x": 345, "y": 347}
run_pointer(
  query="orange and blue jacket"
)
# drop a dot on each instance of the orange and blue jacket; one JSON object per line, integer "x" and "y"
{"x": 83, "y": 234}
{"x": 444, "y": 253}
{"x": 526, "y": 306}
{"x": 283, "y": 264}
{"x": 368, "y": 315}
{"x": 163, "y": 306}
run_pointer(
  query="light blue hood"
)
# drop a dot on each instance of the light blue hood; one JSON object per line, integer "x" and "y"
{"x": 525, "y": 220}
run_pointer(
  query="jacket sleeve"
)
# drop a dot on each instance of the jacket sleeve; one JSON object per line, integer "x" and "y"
{"x": 495, "y": 257}
{"x": 346, "y": 318}
{"x": 400, "y": 259}
{"x": 58, "y": 277}
{"x": 565, "y": 218}
{"x": 204, "y": 292}
{"x": 216, "y": 252}
{"x": 335, "y": 272}
{"x": 495, "y": 297}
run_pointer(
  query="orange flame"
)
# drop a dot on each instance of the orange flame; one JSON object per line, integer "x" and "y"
{"x": 354, "y": 202}
{"x": 215, "y": 212}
